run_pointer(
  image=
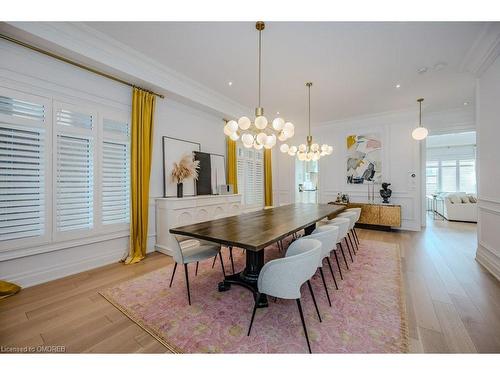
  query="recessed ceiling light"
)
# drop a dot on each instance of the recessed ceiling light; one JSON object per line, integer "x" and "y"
{"x": 398, "y": 86}
{"x": 466, "y": 103}
{"x": 277, "y": 113}
{"x": 230, "y": 83}
{"x": 422, "y": 70}
{"x": 440, "y": 66}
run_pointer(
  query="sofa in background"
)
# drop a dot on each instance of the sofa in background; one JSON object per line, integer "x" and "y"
{"x": 458, "y": 206}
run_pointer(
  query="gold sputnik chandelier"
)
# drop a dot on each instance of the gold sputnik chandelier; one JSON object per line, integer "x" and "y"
{"x": 308, "y": 151}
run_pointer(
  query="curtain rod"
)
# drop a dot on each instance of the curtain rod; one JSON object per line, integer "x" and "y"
{"x": 68, "y": 61}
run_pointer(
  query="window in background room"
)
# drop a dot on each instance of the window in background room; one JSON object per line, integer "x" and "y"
{"x": 451, "y": 163}
{"x": 448, "y": 175}
{"x": 250, "y": 166}
{"x": 432, "y": 177}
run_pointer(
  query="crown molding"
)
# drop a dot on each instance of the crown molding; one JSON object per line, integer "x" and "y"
{"x": 77, "y": 40}
{"x": 484, "y": 51}
{"x": 461, "y": 118}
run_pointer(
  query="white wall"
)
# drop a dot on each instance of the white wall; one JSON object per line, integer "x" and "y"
{"x": 488, "y": 156}
{"x": 30, "y": 72}
{"x": 402, "y": 156}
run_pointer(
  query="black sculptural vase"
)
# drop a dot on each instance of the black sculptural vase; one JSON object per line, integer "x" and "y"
{"x": 385, "y": 192}
{"x": 180, "y": 189}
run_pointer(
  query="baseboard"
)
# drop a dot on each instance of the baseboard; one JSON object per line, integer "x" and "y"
{"x": 488, "y": 260}
{"x": 44, "y": 275}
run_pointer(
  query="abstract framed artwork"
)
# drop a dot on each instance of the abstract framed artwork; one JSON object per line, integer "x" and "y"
{"x": 364, "y": 159}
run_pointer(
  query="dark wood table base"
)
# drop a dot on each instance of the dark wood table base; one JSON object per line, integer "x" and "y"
{"x": 249, "y": 276}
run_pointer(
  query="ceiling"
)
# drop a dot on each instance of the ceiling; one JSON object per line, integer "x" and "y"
{"x": 354, "y": 66}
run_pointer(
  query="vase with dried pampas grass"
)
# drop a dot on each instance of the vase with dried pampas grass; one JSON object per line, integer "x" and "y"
{"x": 187, "y": 167}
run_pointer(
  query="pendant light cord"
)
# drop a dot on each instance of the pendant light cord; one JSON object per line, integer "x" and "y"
{"x": 260, "y": 72}
{"x": 420, "y": 115}
{"x": 309, "y": 108}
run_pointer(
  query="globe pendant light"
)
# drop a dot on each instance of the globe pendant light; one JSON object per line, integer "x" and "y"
{"x": 419, "y": 133}
{"x": 258, "y": 134}
{"x": 309, "y": 151}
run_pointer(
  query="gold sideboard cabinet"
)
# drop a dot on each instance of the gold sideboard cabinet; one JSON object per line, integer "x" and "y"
{"x": 387, "y": 215}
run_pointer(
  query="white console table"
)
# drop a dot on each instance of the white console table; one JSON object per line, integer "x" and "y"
{"x": 175, "y": 212}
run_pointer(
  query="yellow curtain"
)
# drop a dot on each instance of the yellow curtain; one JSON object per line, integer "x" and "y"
{"x": 232, "y": 169}
{"x": 143, "y": 108}
{"x": 8, "y": 289}
{"x": 268, "y": 178}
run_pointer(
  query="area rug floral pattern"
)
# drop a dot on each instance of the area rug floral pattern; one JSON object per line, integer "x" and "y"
{"x": 367, "y": 315}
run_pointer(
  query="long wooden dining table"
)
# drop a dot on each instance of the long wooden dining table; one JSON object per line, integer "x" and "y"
{"x": 256, "y": 230}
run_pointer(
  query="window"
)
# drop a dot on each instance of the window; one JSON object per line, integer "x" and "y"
{"x": 451, "y": 176}
{"x": 251, "y": 176}
{"x": 115, "y": 173}
{"x": 75, "y": 170}
{"x": 22, "y": 167}
{"x": 64, "y": 170}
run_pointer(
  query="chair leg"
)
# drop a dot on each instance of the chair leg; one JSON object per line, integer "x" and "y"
{"x": 331, "y": 270}
{"x": 213, "y": 263}
{"x": 231, "y": 257}
{"x": 253, "y": 315}
{"x": 173, "y": 273}
{"x": 324, "y": 284}
{"x": 354, "y": 239}
{"x": 356, "y": 234}
{"x": 343, "y": 254}
{"x": 350, "y": 241}
{"x": 348, "y": 249}
{"x": 222, "y": 264}
{"x": 187, "y": 282}
{"x": 196, "y": 271}
{"x": 338, "y": 264}
{"x": 303, "y": 323}
{"x": 314, "y": 299}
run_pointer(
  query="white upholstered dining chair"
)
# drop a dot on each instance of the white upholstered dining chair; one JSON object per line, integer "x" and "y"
{"x": 283, "y": 277}
{"x": 193, "y": 251}
{"x": 353, "y": 217}
{"x": 327, "y": 235}
{"x": 358, "y": 212}
{"x": 343, "y": 224}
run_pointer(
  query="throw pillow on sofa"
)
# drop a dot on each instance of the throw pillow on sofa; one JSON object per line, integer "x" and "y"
{"x": 455, "y": 199}
{"x": 472, "y": 199}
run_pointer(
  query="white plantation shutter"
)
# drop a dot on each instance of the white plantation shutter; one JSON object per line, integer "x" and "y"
{"x": 75, "y": 170}
{"x": 22, "y": 168}
{"x": 250, "y": 166}
{"x": 115, "y": 173}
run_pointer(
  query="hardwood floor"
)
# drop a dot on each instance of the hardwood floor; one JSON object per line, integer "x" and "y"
{"x": 453, "y": 304}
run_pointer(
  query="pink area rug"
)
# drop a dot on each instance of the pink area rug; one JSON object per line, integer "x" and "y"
{"x": 367, "y": 315}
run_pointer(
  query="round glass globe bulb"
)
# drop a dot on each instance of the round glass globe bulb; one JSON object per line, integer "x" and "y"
{"x": 244, "y": 123}
{"x": 289, "y": 126}
{"x": 314, "y": 147}
{"x": 227, "y": 130}
{"x": 282, "y": 137}
{"x": 293, "y": 149}
{"x": 247, "y": 139}
{"x": 278, "y": 123}
{"x": 261, "y": 122}
{"x": 419, "y": 133}
{"x": 302, "y": 147}
{"x": 261, "y": 138}
{"x": 291, "y": 152}
{"x": 248, "y": 145}
{"x": 257, "y": 146}
{"x": 284, "y": 148}
{"x": 233, "y": 125}
{"x": 234, "y": 136}
{"x": 324, "y": 147}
